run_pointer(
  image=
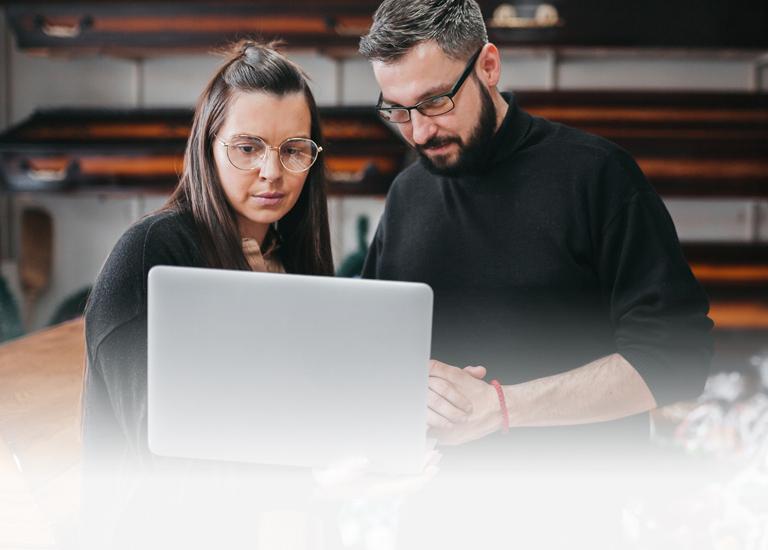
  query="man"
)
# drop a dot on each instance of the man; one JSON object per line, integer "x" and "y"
{"x": 554, "y": 263}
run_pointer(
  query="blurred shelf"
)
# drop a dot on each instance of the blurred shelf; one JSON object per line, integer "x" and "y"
{"x": 156, "y": 26}
{"x": 687, "y": 144}
{"x": 735, "y": 277}
{"x": 77, "y": 150}
{"x": 739, "y": 315}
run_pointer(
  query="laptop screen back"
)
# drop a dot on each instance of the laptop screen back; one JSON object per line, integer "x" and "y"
{"x": 288, "y": 369}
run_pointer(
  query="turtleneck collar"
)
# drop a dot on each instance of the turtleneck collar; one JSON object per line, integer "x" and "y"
{"x": 510, "y": 136}
{"x": 505, "y": 142}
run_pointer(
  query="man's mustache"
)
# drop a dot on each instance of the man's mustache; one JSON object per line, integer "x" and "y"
{"x": 436, "y": 142}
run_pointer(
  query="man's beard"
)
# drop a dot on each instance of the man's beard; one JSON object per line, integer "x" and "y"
{"x": 473, "y": 154}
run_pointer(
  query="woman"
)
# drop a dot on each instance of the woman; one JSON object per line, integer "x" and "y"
{"x": 251, "y": 197}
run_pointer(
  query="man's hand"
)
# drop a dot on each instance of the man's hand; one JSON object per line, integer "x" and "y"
{"x": 461, "y": 406}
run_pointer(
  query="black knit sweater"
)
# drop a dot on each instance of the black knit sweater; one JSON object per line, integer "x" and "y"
{"x": 558, "y": 253}
{"x": 116, "y": 324}
{"x": 132, "y": 498}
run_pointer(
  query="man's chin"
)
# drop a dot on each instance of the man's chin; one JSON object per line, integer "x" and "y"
{"x": 439, "y": 165}
{"x": 441, "y": 161}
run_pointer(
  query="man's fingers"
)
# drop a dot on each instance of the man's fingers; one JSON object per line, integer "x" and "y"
{"x": 437, "y": 421}
{"x": 476, "y": 372}
{"x": 450, "y": 394}
{"x": 453, "y": 401}
{"x": 436, "y": 367}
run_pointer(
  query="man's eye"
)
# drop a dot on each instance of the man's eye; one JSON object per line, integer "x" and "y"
{"x": 436, "y": 102}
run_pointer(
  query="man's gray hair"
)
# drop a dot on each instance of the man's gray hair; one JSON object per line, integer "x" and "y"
{"x": 456, "y": 26}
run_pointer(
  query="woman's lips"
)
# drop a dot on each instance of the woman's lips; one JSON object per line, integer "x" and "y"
{"x": 268, "y": 199}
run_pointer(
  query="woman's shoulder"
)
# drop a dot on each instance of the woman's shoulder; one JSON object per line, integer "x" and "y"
{"x": 120, "y": 291}
{"x": 167, "y": 235}
{"x": 164, "y": 223}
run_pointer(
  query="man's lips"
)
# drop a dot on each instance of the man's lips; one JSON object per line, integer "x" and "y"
{"x": 268, "y": 198}
{"x": 435, "y": 147}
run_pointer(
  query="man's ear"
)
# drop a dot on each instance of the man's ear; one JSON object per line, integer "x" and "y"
{"x": 489, "y": 65}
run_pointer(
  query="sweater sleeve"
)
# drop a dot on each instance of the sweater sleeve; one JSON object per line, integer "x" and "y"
{"x": 371, "y": 265}
{"x": 116, "y": 321}
{"x": 657, "y": 307}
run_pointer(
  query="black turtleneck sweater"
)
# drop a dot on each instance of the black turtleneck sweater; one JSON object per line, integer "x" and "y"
{"x": 558, "y": 253}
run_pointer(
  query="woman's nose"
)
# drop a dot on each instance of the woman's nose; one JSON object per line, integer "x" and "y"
{"x": 271, "y": 168}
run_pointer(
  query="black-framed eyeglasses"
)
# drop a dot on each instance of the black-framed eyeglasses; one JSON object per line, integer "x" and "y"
{"x": 434, "y": 106}
{"x": 248, "y": 152}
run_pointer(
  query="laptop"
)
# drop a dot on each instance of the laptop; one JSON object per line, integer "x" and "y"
{"x": 290, "y": 370}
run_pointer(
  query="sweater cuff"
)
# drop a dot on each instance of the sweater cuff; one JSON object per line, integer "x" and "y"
{"x": 663, "y": 380}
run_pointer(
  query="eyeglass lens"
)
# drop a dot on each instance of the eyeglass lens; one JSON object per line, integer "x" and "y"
{"x": 432, "y": 107}
{"x": 296, "y": 154}
{"x": 429, "y": 107}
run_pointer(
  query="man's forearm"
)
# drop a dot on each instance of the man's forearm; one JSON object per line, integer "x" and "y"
{"x": 605, "y": 389}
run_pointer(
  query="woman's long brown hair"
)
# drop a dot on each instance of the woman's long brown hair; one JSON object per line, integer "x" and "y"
{"x": 305, "y": 237}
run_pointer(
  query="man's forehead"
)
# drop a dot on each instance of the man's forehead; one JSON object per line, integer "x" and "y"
{"x": 425, "y": 71}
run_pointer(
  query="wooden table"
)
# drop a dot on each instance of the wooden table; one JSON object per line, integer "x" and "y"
{"x": 40, "y": 449}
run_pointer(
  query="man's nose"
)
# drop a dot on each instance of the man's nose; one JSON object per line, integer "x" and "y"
{"x": 423, "y": 127}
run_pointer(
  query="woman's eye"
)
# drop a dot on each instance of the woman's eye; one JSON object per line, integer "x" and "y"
{"x": 247, "y": 149}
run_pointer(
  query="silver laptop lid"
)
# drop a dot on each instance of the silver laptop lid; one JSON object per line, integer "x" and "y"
{"x": 288, "y": 369}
